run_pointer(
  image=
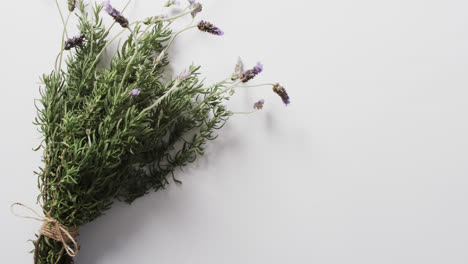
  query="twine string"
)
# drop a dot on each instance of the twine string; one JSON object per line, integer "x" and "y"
{"x": 53, "y": 229}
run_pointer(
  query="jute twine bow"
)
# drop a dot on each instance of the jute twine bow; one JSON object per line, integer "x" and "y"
{"x": 53, "y": 229}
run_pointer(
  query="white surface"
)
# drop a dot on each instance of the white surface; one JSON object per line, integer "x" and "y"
{"x": 367, "y": 165}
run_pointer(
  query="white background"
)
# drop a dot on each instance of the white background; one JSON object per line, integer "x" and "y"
{"x": 367, "y": 165}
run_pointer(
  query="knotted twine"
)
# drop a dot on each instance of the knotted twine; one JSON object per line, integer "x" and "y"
{"x": 53, "y": 229}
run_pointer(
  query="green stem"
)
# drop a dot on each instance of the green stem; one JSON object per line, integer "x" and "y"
{"x": 257, "y": 85}
{"x": 137, "y": 40}
{"x": 61, "y": 15}
{"x": 225, "y": 81}
{"x": 98, "y": 56}
{"x": 181, "y": 113}
{"x": 244, "y": 113}
{"x": 172, "y": 19}
{"x": 176, "y": 34}
{"x": 63, "y": 44}
{"x": 227, "y": 88}
{"x": 131, "y": 59}
{"x": 107, "y": 45}
{"x": 157, "y": 102}
{"x": 176, "y": 17}
{"x": 236, "y": 84}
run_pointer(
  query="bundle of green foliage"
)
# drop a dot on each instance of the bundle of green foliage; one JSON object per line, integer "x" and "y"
{"x": 120, "y": 130}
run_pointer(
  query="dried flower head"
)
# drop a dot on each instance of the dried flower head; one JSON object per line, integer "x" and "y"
{"x": 279, "y": 90}
{"x": 73, "y": 42}
{"x": 196, "y": 7}
{"x": 116, "y": 15}
{"x": 250, "y": 74}
{"x": 259, "y": 105}
{"x": 134, "y": 92}
{"x": 238, "y": 70}
{"x": 71, "y": 5}
{"x": 210, "y": 28}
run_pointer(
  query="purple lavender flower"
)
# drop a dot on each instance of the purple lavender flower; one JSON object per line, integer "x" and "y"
{"x": 259, "y": 105}
{"x": 279, "y": 90}
{"x": 116, "y": 15}
{"x": 73, "y": 42}
{"x": 210, "y": 28}
{"x": 195, "y": 7}
{"x": 134, "y": 92}
{"x": 259, "y": 67}
{"x": 250, "y": 74}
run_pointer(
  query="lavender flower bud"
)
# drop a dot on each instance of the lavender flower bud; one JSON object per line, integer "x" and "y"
{"x": 182, "y": 78}
{"x": 250, "y": 74}
{"x": 159, "y": 58}
{"x": 116, "y": 15}
{"x": 71, "y": 5}
{"x": 73, "y": 42}
{"x": 196, "y": 7}
{"x": 239, "y": 66}
{"x": 184, "y": 75}
{"x": 210, "y": 28}
{"x": 279, "y": 90}
{"x": 259, "y": 105}
{"x": 134, "y": 92}
{"x": 238, "y": 70}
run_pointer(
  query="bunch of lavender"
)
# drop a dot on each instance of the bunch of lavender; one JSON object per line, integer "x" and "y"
{"x": 119, "y": 131}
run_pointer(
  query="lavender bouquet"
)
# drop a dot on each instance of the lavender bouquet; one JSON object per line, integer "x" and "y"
{"x": 120, "y": 130}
